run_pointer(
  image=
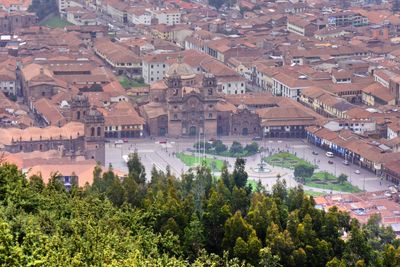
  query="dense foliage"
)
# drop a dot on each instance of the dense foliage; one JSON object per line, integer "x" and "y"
{"x": 193, "y": 220}
{"x": 43, "y": 8}
{"x": 217, "y": 147}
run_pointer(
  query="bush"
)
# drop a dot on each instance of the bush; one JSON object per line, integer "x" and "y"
{"x": 219, "y": 147}
{"x": 252, "y": 148}
{"x": 303, "y": 170}
{"x": 200, "y": 145}
{"x": 236, "y": 148}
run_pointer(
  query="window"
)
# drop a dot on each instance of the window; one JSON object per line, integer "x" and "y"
{"x": 78, "y": 115}
{"x": 43, "y": 93}
{"x": 175, "y": 117}
{"x": 210, "y": 115}
{"x": 92, "y": 131}
{"x": 98, "y": 131}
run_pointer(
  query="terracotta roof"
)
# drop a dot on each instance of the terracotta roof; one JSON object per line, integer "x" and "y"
{"x": 153, "y": 110}
{"x": 73, "y": 129}
{"x": 51, "y": 114}
{"x": 379, "y": 91}
{"x": 123, "y": 113}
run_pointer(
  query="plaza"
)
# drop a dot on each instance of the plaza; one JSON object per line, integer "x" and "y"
{"x": 161, "y": 155}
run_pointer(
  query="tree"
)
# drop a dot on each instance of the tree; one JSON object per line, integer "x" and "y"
{"x": 216, "y": 3}
{"x": 252, "y": 148}
{"x": 303, "y": 170}
{"x": 240, "y": 175}
{"x": 194, "y": 237}
{"x": 43, "y": 8}
{"x": 267, "y": 259}
{"x": 342, "y": 178}
{"x": 136, "y": 168}
{"x": 219, "y": 147}
{"x": 236, "y": 148}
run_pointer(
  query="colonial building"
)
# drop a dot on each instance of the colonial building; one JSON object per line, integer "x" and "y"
{"x": 190, "y": 101}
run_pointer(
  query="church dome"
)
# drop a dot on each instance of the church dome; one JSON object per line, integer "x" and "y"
{"x": 183, "y": 70}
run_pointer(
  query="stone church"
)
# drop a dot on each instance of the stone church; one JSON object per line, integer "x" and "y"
{"x": 82, "y": 136}
{"x": 189, "y": 104}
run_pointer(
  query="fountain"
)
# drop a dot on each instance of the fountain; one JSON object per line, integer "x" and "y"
{"x": 262, "y": 167}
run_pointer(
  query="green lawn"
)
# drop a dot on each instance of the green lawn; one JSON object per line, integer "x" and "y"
{"x": 191, "y": 161}
{"x": 128, "y": 83}
{"x": 284, "y": 160}
{"x": 328, "y": 181}
{"x": 55, "y": 22}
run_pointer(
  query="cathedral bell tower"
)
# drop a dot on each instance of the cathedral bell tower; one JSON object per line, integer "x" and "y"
{"x": 209, "y": 85}
{"x": 79, "y": 107}
{"x": 94, "y": 135}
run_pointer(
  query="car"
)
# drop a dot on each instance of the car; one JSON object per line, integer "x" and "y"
{"x": 329, "y": 154}
{"x": 257, "y": 138}
{"x": 125, "y": 140}
{"x": 315, "y": 153}
{"x": 119, "y": 142}
{"x": 357, "y": 172}
{"x": 162, "y": 141}
{"x": 212, "y": 139}
{"x": 330, "y": 161}
{"x": 345, "y": 162}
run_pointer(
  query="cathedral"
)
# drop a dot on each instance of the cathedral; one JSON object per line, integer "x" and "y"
{"x": 83, "y": 135}
{"x": 188, "y": 104}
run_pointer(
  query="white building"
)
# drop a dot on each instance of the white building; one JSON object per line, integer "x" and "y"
{"x": 288, "y": 86}
{"x": 357, "y": 126}
{"x": 167, "y": 16}
{"x": 154, "y": 67}
{"x": 393, "y": 130}
{"x": 139, "y": 16}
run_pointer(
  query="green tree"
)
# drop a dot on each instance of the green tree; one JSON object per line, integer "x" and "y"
{"x": 136, "y": 168}
{"x": 219, "y": 146}
{"x": 194, "y": 237}
{"x": 252, "y": 148}
{"x": 216, "y": 3}
{"x": 267, "y": 259}
{"x": 304, "y": 170}
{"x": 43, "y": 8}
{"x": 342, "y": 178}
{"x": 236, "y": 148}
{"x": 239, "y": 174}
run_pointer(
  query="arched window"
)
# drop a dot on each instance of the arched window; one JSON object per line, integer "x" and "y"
{"x": 92, "y": 131}
{"x": 78, "y": 115}
{"x": 98, "y": 131}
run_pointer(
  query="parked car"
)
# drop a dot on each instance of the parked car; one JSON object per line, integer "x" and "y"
{"x": 329, "y": 154}
{"x": 330, "y": 161}
{"x": 315, "y": 153}
{"x": 345, "y": 162}
{"x": 257, "y": 138}
{"x": 125, "y": 140}
{"x": 162, "y": 141}
{"x": 119, "y": 142}
{"x": 357, "y": 172}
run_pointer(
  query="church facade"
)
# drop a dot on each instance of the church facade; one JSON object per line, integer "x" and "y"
{"x": 188, "y": 104}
